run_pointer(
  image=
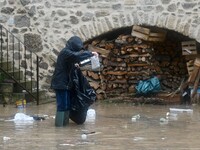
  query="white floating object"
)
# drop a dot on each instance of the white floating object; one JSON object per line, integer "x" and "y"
{"x": 84, "y": 136}
{"x": 91, "y": 115}
{"x": 172, "y": 116}
{"x": 179, "y": 110}
{"x": 22, "y": 117}
{"x": 136, "y": 116}
{"x": 138, "y": 138}
{"x": 67, "y": 144}
{"x": 133, "y": 119}
{"x": 163, "y": 120}
{"x": 5, "y": 138}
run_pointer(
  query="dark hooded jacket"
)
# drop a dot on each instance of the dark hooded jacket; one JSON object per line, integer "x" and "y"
{"x": 68, "y": 56}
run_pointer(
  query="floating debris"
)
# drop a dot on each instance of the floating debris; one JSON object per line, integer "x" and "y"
{"x": 135, "y": 118}
{"x": 84, "y": 136}
{"x": 171, "y": 116}
{"x": 91, "y": 115}
{"x": 22, "y": 117}
{"x": 163, "y": 121}
{"x": 179, "y": 110}
{"x": 138, "y": 138}
{"x": 5, "y": 138}
{"x": 67, "y": 144}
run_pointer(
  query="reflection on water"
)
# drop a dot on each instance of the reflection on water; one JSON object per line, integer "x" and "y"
{"x": 116, "y": 126}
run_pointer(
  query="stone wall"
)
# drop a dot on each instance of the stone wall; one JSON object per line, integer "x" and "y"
{"x": 49, "y": 23}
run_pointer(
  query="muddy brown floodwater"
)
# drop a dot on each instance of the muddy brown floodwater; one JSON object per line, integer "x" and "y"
{"x": 114, "y": 128}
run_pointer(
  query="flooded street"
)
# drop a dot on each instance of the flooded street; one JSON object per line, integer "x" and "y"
{"x": 116, "y": 127}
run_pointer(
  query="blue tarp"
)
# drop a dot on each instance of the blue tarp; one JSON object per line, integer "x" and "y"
{"x": 149, "y": 86}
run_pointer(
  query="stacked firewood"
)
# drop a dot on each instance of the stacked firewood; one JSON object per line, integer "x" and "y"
{"x": 127, "y": 59}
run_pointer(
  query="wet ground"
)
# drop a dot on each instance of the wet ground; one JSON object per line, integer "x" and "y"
{"x": 114, "y": 128}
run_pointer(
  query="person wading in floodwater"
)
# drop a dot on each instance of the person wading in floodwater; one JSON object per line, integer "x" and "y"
{"x": 67, "y": 61}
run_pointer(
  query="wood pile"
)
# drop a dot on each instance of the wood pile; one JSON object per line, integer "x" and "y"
{"x": 148, "y": 34}
{"x": 189, "y": 48}
{"x": 128, "y": 59}
{"x": 194, "y": 77}
{"x": 191, "y": 53}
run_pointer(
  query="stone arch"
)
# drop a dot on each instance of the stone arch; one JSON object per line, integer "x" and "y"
{"x": 102, "y": 25}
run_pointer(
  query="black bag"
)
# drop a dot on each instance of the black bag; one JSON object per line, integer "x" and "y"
{"x": 82, "y": 96}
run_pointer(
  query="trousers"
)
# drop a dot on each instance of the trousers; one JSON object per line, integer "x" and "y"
{"x": 62, "y": 100}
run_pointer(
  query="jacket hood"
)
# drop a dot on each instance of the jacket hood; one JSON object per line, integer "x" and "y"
{"x": 75, "y": 44}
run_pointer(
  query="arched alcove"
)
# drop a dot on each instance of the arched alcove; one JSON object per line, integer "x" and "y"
{"x": 167, "y": 21}
{"x": 120, "y": 74}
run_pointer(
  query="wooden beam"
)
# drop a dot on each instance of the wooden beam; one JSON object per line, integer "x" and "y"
{"x": 102, "y": 51}
{"x": 196, "y": 84}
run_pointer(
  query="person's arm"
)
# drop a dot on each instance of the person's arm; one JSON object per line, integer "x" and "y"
{"x": 76, "y": 57}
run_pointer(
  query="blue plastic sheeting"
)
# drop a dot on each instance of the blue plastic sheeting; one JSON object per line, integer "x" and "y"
{"x": 149, "y": 86}
{"x": 198, "y": 90}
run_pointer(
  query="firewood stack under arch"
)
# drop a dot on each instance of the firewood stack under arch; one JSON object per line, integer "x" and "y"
{"x": 128, "y": 59}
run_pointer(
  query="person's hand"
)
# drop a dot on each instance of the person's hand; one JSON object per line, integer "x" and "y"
{"x": 95, "y": 54}
{"x": 77, "y": 65}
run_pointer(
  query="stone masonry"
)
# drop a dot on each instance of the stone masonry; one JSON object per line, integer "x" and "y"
{"x": 46, "y": 24}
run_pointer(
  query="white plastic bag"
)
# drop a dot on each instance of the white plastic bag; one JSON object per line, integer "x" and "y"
{"x": 95, "y": 62}
{"x": 22, "y": 117}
